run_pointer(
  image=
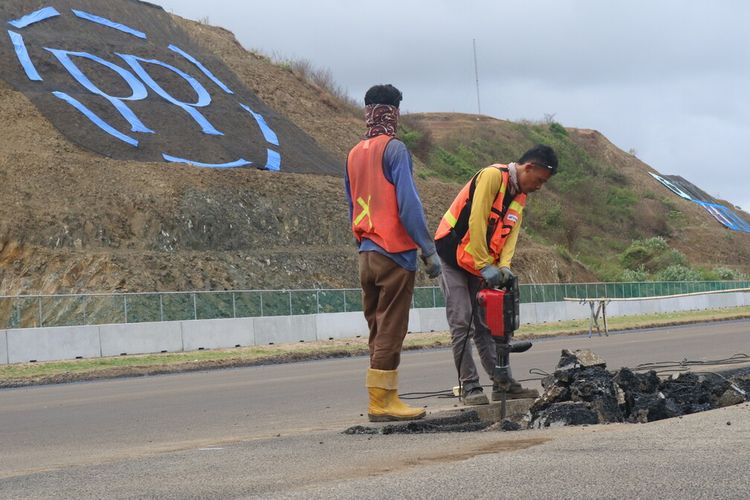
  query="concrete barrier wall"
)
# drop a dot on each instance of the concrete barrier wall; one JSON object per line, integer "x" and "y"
{"x": 217, "y": 333}
{"x": 141, "y": 338}
{"x": 673, "y": 304}
{"x": 47, "y": 344}
{"x": 283, "y": 329}
{"x": 3, "y": 347}
{"x": 43, "y": 344}
{"x": 432, "y": 320}
{"x": 341, "y": 325}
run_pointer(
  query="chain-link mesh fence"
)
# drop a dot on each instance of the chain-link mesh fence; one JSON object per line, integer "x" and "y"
{"x": 29, "y": 311}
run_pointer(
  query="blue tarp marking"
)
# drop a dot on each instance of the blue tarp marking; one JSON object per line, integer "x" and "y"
{"x": 95, "y": 119}
{"x": 204, "y": 99}
{"x": 721, "y": 213}
{"x": 138, "y": 89}
{"x": 200, "y": 66}
{"x": 268, "y": 134}
{"x": 672, "y": 187}
{"x": 34, "y": 17}
{"x": 239, "y": 163}
{"x": 274, "y": 161}
{"x": 23, "y": 56}
{"x": 726, "y": 216}
{"x": 110, "y": 24}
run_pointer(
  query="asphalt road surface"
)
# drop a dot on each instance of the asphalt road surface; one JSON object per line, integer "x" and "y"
{"x": 275, "y": 431}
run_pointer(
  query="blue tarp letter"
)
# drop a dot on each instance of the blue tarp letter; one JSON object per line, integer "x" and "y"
{"x": 201, "y": 67}
{"x": 268, "y": 134}
{"x": 95, "y": 118}
{"x": 34, "y": 17}
{"x": 204, "y": 99}
{"x": 108, "y": 23}
{"x": 23, "y": 56}
{"x": 239, "y": 163}
{"x": 138, "y": 89}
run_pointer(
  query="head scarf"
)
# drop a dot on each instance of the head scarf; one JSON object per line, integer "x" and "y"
{"x": 381, "y": 119}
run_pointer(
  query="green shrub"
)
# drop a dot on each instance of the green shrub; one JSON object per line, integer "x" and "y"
{"x": 615, "y": 176}
{"x": 552, "y": 216}
{"x": 635, "y": 256}
{"x": 656, "y": 244}
{"x": 639, "y": 274}
{"x": 668, "y": 258}
{"x": 678, "y": 273}
{"x": 455, "y": 166}
{"x": 558, "y": 129}
{"x": 621, "y": 198}
{"x": 417, "y": 139}
{"x": 725, "y": 273}
{"x": 652, "y": 254}
{"x": 410, "y": 137}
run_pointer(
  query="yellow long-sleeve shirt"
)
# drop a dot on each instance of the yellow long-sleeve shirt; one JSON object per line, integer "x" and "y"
{"x": 488, "y": 184}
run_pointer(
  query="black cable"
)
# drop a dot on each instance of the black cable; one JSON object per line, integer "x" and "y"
{"x": 538, "y": 371}
{"x": 463, "y": 350}
{"x": 685, "y": 364}
{"x": 541, "y": 375}
{"x": 448, "y": 393}
{"x": 444, "y": 394}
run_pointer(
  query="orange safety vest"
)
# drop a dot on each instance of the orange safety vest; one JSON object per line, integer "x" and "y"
{"x": 455, "y": 222}
{"x": 375, "y": 206}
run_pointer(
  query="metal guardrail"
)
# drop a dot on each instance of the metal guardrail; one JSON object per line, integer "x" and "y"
{"x": 28, "y": 311}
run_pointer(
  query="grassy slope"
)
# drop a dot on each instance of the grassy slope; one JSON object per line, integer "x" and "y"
{"x": 600, "y": 201}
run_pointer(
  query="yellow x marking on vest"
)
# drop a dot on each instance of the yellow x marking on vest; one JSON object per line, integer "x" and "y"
{"x": 365, "y": 210}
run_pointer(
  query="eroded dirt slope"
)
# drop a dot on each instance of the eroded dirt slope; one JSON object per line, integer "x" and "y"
{"x": 76, "y": 221}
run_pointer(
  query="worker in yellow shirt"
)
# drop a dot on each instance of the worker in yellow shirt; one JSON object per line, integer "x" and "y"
{"x": 476, "y": 240}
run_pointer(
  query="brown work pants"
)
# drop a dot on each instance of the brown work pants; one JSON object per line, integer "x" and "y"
{"x": 387, "y": 290}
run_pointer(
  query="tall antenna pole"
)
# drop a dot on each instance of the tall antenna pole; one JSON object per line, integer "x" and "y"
{"x": 476, "y": 75}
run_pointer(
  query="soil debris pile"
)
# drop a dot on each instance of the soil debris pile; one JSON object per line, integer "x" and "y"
{"x": 582, "y": 391}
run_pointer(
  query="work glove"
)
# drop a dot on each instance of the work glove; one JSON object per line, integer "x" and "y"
{"x": 492, "y": 276}
{"x": 432, "y": 265}
{"x": 506, "y": 276}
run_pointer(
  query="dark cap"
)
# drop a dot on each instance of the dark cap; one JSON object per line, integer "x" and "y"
{"x": 383, "y": 94}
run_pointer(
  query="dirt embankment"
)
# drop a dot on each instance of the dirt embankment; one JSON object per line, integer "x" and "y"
{"x": 72, "y": 220}
{"x": 694, "y": 232}
{"x": 76, "y": 221}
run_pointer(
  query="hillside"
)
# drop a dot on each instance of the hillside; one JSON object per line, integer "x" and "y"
{"x": 601, "y": 201}
{"x": 73, "y": 220}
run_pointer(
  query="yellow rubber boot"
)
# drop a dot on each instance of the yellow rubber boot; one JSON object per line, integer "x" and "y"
{"x": 385, "y": 405}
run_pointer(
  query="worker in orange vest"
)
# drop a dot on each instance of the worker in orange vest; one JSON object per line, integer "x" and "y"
{"x": 389, "y": 225}
{"x": 476, "y": 240}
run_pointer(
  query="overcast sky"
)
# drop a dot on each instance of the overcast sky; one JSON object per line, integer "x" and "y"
{"x": 669, "y": 79}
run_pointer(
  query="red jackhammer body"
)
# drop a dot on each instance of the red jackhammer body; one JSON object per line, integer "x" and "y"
{"x": 500, "y": 313}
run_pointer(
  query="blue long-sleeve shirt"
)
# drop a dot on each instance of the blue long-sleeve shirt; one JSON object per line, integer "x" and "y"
{"x": 397, "y": 168}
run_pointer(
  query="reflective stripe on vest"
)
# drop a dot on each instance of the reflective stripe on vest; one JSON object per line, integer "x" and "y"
{"x": 375, "y": 205}
{"x": 499, "y": 224}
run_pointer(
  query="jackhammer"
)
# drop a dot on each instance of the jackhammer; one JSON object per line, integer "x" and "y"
{"x": 500, "y": 314}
